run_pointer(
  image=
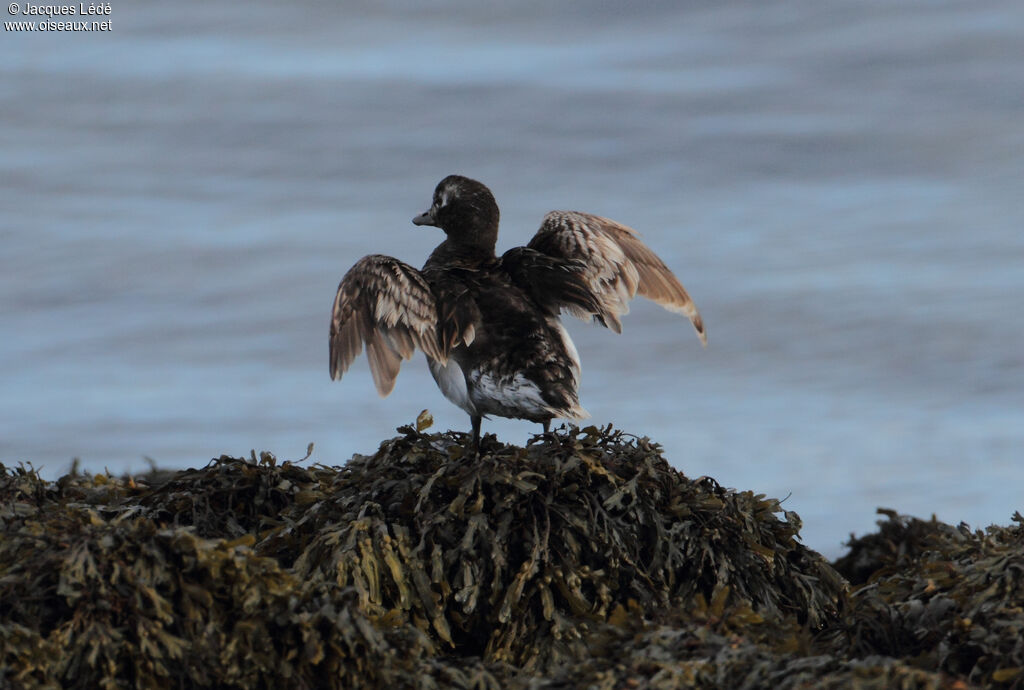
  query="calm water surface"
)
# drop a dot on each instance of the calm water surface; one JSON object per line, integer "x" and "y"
{"x": 838, "y": 184}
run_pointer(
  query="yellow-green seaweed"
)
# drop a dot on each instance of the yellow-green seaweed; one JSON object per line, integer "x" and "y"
{"x": 581, "y": 560}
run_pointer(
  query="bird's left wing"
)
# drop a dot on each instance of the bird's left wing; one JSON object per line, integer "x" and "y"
{"x": 616, "y": 266}
{"x": 388, "y": 305}
{"x": 553, "y": 282}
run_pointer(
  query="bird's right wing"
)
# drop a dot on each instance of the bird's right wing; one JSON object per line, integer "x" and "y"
{"x": 388, "y": 305}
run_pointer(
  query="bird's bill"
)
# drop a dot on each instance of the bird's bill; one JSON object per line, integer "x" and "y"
{"x": 425, "y": 218}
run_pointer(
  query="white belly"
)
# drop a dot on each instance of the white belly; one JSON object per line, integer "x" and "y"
{"x": 514, "y": 396}
{"x": 452, "y": 382}
{"x": 506, "y": 393}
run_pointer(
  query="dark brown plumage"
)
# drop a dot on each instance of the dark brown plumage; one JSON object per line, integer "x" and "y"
{"x": 489, "y": 326}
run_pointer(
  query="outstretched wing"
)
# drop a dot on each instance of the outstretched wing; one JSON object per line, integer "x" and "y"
{"x": 386, "y": 304}
{"x": 616, "y": 266}
{"x": 553, "y": 282}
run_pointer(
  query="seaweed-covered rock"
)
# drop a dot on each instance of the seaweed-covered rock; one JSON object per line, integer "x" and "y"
{"x": 581, "y": 560}
{"x": 515, "y": 554}
{"x": 899, "y": 541}
{"x": 231, "y": 498}
{"x": 127, "y": 603}
{"x": 948, "y": 597}
{"x": 731, "y": 649}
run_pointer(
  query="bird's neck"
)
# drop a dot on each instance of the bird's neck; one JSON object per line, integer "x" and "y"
{"x": 453, "y": 254}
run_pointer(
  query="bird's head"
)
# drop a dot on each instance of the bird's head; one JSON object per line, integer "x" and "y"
{"x": 465, "y": 209}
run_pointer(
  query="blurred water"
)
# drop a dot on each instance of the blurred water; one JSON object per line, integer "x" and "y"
{"x": 838, "y": 184}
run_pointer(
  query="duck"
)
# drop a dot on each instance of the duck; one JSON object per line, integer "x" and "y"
{"x": 490, "y": 325}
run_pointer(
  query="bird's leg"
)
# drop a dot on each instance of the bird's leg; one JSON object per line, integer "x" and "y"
{"x": 548, "y": 434}
{"x": 475, "y": 420}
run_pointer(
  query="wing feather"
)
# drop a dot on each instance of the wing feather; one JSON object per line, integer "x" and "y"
{"x": 388, "y": 305}
{"x": 617, "y": 266}
{"x": 553, "y": 282}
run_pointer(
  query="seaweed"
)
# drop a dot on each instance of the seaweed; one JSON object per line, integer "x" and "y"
{"x": 899, "y": 541}
{"x": 951, "y": 598}
{"x": 513, "y": 555}
{"x": 95, "y": 603}
{"x": 580, "y": 560}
